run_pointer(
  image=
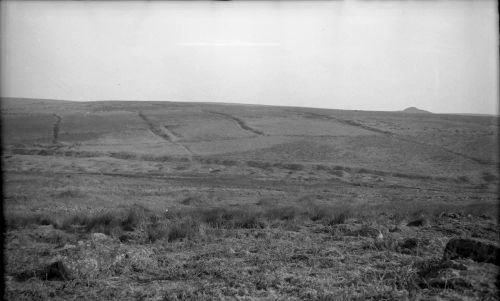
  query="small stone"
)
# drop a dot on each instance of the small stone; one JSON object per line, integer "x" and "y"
{"x": 99, "y": 236}
{"x": 119, "y": 258}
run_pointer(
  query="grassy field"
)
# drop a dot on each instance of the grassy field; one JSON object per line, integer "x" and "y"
{"x": 199, "y": 201}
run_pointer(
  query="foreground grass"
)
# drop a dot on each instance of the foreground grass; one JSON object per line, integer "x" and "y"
{"x": 265, "y": 252}
{"x": 184, "y": 223}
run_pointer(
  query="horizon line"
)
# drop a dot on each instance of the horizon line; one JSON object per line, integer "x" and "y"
{"x": 497, "y": 114}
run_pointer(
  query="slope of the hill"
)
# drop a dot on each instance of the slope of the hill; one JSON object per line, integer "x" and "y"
{"x": 430, "y": 144}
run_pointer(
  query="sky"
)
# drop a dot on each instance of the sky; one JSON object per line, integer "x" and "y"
{"x": 440, "y": 56}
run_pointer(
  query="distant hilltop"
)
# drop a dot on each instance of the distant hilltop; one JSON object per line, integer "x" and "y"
{"x": 414, "y": 110}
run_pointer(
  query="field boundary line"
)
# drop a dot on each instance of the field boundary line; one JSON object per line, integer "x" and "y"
{"x": 242, "y": 124}
{"x": 163, "y": 133}
{"x": 393, "y": 135}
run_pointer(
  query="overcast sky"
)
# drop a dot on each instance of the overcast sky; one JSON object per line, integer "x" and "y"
{"x": 440, "y": 56}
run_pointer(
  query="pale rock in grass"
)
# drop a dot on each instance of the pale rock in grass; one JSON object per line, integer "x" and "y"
{"x": 99, "y": 237}
{"x": 142, "y": 259}
{"x": 87, "y": 267}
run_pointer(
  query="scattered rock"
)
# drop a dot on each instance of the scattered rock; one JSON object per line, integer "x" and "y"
{"x": 477, "y": 250}
{"x": 118, "y": 259}
{"x": 99, "y": 237}
{"x": 449, "y": 214}
{"x": 399, "y": 228}
{"x": 333, "y": 252}
{"x": 245, "y": 253}
{"x": 86, "y": 267}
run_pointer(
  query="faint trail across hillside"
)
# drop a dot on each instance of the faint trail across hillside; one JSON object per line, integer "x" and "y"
{"x": 164, "y": 133}
{"x": 55, "y": 128}
{"x": 240, "y": 123}
{"x": 347, "y": 122}
{"x": 391, "y": 134}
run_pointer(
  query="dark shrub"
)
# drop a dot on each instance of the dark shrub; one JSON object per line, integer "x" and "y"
{"x": 282, "y": 213}
{"x": 156, "y": 231}
{"x": 187, "y": 228}
{"x": 134, "y": 217}
{"x": 18, "y": 220}
{"x": 339, "y": 218}
{"x": 214, "y": 217}
{"x": 318, "y": 212}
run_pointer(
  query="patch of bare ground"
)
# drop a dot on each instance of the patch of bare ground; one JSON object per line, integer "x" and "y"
{"x": 266, "y": 251}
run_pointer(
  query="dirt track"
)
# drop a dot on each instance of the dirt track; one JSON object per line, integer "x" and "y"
{"x": 391, "y": 134}
{"x": 164, "y": 133}
{"x": 240, "y": 123}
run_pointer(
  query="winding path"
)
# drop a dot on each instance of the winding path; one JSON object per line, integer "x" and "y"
{"x": 164, "y": 133}
{"x": 391, "y": 134}
{"x": 240, "y": 123}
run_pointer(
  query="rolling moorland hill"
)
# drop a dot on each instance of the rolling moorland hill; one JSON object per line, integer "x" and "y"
{"x": 425, "y": 144}
{"x": 208, "y": 201}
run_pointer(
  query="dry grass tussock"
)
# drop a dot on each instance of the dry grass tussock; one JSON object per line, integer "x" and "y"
{"x": 185, "y": 222}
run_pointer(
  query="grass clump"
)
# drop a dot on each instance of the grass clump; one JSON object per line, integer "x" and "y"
{"x": 16, "y": 221}
{"x": 184, "y": 229}
{"x": 106, "y": 222}
{"x": 243, "y": 218}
